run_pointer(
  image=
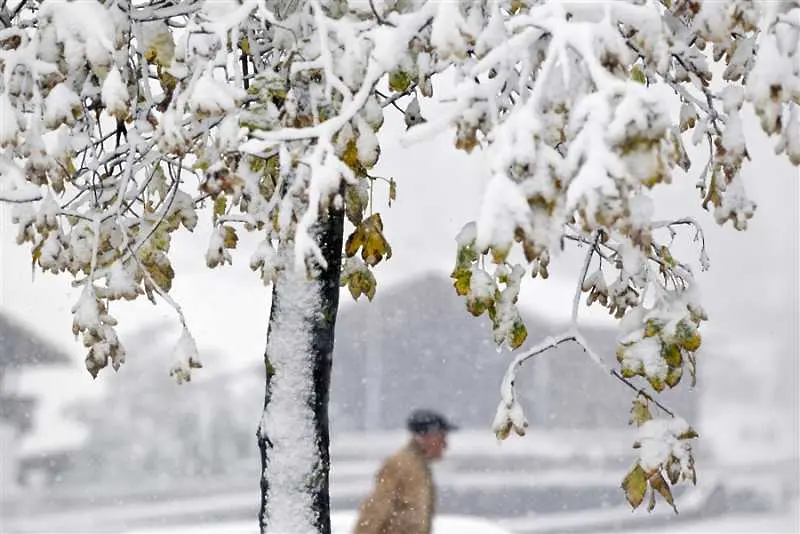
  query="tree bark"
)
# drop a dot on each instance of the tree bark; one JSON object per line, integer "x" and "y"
{"x": 293, "y": 436}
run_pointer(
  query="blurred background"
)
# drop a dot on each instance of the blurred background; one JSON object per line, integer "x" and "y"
{"x": 132, "y": 449}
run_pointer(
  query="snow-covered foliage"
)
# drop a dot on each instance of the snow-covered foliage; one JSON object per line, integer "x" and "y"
{"x": 120, "y": 119}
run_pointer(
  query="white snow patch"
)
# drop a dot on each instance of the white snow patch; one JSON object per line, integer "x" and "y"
{"x": 504, "y": 209}
{"x": 115, "y": 94}
{"x": 59, "y": 105}
{"x": 213, "y": 97}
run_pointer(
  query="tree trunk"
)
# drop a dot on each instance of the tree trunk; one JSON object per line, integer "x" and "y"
{"x": 293, "y": 436}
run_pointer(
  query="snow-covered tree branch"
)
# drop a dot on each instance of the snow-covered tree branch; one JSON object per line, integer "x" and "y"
{"x": 263, "y": 115}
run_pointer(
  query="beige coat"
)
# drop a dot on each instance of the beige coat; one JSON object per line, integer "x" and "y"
{"x": 402, "y": 501}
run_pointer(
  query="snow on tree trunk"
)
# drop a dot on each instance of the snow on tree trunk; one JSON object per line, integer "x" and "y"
{"x": 293, "y": 437}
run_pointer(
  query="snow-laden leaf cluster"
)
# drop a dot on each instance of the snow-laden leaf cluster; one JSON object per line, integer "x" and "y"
{"x": 114, "y": 134}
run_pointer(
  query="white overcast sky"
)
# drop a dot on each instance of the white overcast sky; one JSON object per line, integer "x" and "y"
{"x": 751, "y": 291}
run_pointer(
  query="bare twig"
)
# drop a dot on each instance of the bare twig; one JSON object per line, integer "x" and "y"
{"x": 508, "y": 390}
{"x": 578, "y": 338}
{"x": 20, "y": 199}
{"x": 392, "y": 100}
{"x": 158, "y": 289}
{"x": 698, "y": 236}
{"x": 378, "y": 17}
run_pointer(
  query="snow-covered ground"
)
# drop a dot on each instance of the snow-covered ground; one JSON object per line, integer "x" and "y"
{"x": 341, "y": 523}
{"x": 786, "y": 523}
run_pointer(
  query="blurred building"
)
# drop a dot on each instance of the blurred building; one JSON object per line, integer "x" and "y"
{"x": 19, "y": 349}
{"x": 417, "y": 345}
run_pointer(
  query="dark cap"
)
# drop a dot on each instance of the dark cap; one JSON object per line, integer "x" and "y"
{"x": 424, "y": 421}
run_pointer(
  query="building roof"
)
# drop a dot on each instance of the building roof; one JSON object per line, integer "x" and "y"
{"x": 20, "y": 346}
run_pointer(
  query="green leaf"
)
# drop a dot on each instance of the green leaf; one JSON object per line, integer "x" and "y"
{"x": 637, "y": 75}
{"x": 656, "y": 383}
{"x": 478, "y": 306}
{"x": 674, "y": 375}
{"x": 220, "y": 205}
{"x": 635, "y": 485}
{"x": 462, "y": 278}
{"x": 672, "y": 355}
{"x": 399, "y": 81}
{"x": 653, "y": 327}
{"x": 518, "y": 334}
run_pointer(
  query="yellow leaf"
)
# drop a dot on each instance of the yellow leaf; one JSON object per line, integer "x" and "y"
{"x": 354, "y": 286}
{"x": 36, "y": 253}
{"x": 516, "y": 6}
{"x": 375, "y": 248}
{"x": 375, "y": 221}
{"x": 354, "y": 242}
{"x": 350, "y": 156}
{"x": 369, "y": 285}
{"x": 231, "y": 239}
{"x": 693, "y": 343}
{"x": 635, "y": 485}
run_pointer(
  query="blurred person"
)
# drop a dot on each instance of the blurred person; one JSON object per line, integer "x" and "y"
{"x": 403, "y": 499}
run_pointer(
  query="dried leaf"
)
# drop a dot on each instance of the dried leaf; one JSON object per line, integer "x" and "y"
{"x": 640, "y": 412}
{"x": 392, "y": 191}
{"x": 660, "y": 485}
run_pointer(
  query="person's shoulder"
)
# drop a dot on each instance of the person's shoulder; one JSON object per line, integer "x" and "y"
{"x": 405, "y": 457}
